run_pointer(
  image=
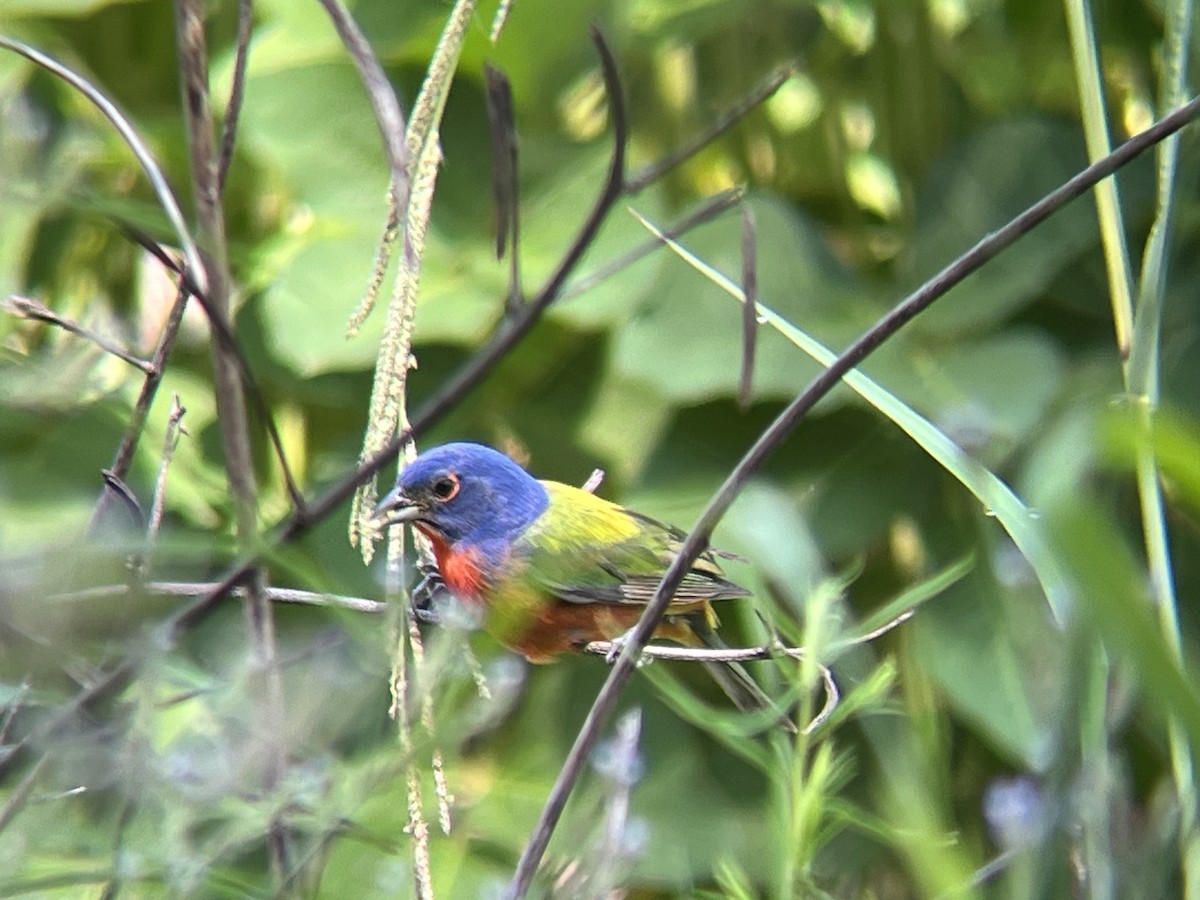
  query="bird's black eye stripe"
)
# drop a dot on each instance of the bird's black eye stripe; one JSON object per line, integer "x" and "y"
{"x": 446, "y": 488}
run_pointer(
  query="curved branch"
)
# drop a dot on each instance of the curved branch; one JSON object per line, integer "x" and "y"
{"x": 157, "y": 180}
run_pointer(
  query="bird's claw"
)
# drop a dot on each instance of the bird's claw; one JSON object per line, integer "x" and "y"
{"x": 615, "y": 647}
{"x": 428, "y": 590}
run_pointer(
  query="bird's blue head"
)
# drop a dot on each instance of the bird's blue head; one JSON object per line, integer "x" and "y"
{"x": 465, "y": 493}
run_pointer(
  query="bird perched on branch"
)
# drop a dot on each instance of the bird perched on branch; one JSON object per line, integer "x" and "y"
{"x": 552, "y": 567}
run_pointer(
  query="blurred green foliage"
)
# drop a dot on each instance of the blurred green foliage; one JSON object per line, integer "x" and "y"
{"x": 910, "y": 129}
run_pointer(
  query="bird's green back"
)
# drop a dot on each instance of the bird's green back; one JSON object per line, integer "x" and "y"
{"x": 583, "y": 549}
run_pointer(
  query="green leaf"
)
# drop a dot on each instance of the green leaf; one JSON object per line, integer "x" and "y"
{"x": 988, "y": 665}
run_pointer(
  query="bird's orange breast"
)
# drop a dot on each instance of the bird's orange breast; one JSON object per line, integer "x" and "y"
{"x": 460, "y": 569}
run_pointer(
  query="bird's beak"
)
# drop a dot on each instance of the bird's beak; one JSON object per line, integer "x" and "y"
{"x": 396, "y": 508}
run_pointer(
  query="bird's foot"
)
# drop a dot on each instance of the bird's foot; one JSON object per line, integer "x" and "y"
{"x": 616, "y": 647}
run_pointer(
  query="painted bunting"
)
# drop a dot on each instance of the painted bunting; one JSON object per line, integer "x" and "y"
{"x": 551, "y": 566}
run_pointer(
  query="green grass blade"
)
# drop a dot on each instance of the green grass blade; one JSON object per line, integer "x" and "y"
{"x": 1108, "y": 203}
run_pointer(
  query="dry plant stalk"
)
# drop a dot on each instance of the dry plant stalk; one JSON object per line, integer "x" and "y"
{"x": 388, "y": 414}
{"x": 231, "y": 403}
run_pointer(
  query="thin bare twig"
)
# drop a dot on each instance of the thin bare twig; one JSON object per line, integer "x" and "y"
{"x": 237, "y": 91}
{"x": 154, "y": 174}
{"x": 383, "y": 99}
{"x": 158, "y": 502}
{"x": 123, "y": 458}
{"x": 832, "y": 698}
{"x": 594, "y": 481}
{"x": 200, "y": 588}
{"x": 505, "y": 179}
{"x": 231, "y": 401}
{"x": 378, "y": 607}
{"x": 874, "y": 633}
{"x": 224, "y": 335}
{"x": 750, "y": 308}
{"x": 28, "y": 308}
{"x": 740, "y": 654}
{"x": 115, "y": 486}
{"x": 723, "y": 123}
{"x": 19, "y": 795}
{"x": 825, "y": 382}
{"x": 708, "y": 209}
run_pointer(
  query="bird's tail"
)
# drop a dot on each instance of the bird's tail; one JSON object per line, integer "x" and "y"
{"x": 734, "y": 680}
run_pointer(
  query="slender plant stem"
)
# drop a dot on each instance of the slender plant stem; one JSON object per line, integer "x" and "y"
{"x": 1108, "y": 202}
{"x": 231, "y": 401}
{"x": 237, "y": 91}
{"x": 1143, "y": 378}
{"x": 150, "y": 166}
{"x": 28, "y": 308}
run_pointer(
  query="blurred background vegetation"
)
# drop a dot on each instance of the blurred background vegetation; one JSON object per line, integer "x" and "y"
{"x": 985, "y": 747}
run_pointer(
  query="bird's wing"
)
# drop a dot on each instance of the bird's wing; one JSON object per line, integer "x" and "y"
{"x": 583, "y": 549}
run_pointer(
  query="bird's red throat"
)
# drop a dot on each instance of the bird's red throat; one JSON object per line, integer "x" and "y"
{"x": 460, "y": 569}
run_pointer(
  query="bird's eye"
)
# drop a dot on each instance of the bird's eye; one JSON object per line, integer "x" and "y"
{"x": 446, "y": 488}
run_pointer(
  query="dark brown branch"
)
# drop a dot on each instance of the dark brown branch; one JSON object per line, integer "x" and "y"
{"x": 200, "y": 588}
{"x": 231, "y": 401}
{"x": 28, "y": 308}
{"x": 223, "y": 334}
{"x": 237, "y": 91}
{"x": 386, "y": 107}
{"x": 749, "y": 308}
{"x": 742, "y": 654}
{"x": 158, "y": 182}
{"x": 723, "y": 123}
{"x": 158, "y": 502}
{"x": 19, "y": 795}
{"x": 231, "y": 407}
{"x": 697, "y": 540}
{"x": 115, "y": 486}
{"x": 123, "y": 457}
{"x": 505, "y": 179}
{"x": 707, "y": 210}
